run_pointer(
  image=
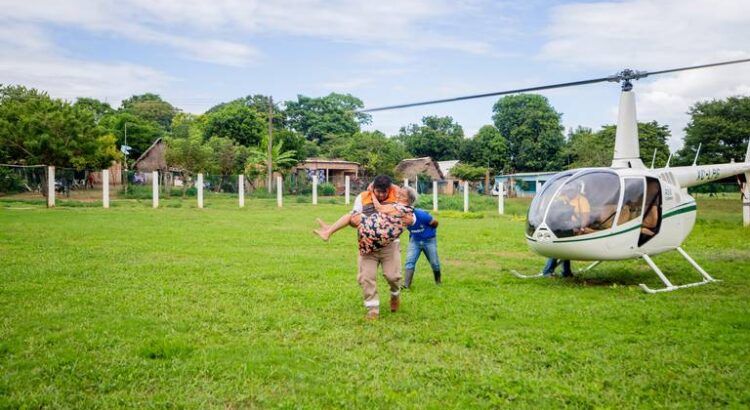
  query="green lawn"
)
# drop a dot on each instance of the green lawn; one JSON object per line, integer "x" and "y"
{"x": 228, "y": 308}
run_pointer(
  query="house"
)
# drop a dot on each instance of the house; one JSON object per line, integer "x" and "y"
{"x": 450, "y": 183}
{"x": 413, "y": 168}
{"x": 523, "y": 184}
{"x": 154, "y": 159}
{"x": 333, "y": 171}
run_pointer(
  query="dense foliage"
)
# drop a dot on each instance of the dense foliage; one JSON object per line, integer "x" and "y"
{"x": 229, "y": 138}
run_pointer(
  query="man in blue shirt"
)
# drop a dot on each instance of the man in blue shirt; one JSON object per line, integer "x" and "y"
{"x": 422, "y": 238}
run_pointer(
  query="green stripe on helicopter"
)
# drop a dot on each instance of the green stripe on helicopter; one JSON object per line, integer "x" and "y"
{"x": 680, "y": 209}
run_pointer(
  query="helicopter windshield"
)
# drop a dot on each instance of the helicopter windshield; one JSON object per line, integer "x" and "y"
{"x": 585, "y": 204}
{"x": 540, "y": 201}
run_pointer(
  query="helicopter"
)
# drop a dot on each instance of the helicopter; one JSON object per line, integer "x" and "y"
{"x": 630, "y": 211}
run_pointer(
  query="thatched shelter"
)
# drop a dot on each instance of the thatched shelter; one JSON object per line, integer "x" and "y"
{"x": 153, "y": 158}
{"x": 412, "y": 167}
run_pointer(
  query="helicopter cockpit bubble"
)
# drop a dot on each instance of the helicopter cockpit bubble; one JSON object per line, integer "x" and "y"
{"x": 539, "y": 204}
{"x": 586, "y": 203}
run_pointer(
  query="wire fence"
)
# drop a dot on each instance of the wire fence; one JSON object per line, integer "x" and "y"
{"x": 134, "y": 188}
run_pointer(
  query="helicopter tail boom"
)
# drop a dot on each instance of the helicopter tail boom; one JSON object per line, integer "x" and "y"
{"x": 702, "y": 174}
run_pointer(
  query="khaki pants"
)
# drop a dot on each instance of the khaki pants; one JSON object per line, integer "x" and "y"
{"x": 390, "y": 258}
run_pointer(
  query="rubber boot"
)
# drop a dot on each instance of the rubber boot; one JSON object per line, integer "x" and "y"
{"x": 437, "y": 277}
{"x": 407, "y": 279}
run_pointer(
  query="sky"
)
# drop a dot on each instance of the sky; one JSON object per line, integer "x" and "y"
{"x": 197, "y": 54}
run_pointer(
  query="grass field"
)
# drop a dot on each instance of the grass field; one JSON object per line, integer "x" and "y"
{"x": 228, "y": 308}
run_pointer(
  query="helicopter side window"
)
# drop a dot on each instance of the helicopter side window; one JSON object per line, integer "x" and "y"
{"x": 632, "y": 200}
{"x": 585, "y": 204}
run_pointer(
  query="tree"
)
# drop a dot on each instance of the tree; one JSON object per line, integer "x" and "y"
{"x": 281, "y": 159}
{"x": 651, "y": 136}
{"x": 721, "y": 127}
{"x": 376, "y": 153}
{"x": 189, "y": 155}
{"x": 238, "y": 122}
{"x": 586, "y": 148}
{"x": 224, "y": 161}
{"x": 437, "y": 137}
{"x": 36, "y": 129}
{"x": 150, "y": 107}
{"x": 141, "y": 133}
{"x": 318, "y": 119}
{"x": 488, "y": 149}
{"x": 185, "y": 125}
{"x": 467, "y": 172}
{"x": 533, "y": 131}
{"x": 97, "y": 108}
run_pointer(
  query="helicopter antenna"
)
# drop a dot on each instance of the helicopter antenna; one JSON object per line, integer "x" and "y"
{"x": 696, "y": 154}
{"x": 653, "y": 158}
{"x": 624, "y": 77}
{"x": 668, "y": 159}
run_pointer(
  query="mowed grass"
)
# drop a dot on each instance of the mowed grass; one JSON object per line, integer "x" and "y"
{"x": 244, "y": 308}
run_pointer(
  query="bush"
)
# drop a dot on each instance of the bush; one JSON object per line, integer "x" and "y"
{"x": 326, "y": 189}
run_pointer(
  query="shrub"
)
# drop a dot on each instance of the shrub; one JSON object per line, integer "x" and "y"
{"x": 327, "y": 189}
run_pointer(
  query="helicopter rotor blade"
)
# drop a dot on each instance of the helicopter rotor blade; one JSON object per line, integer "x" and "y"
{"x": 625, "y": 76}
{"x": 471, "y": 97}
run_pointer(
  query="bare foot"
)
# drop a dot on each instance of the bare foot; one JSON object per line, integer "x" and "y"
{"x": 322, "y": 224}
{"x": 323, "y": 233}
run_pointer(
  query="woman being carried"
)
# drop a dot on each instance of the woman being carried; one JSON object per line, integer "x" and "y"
{"x": 380, "y": 229}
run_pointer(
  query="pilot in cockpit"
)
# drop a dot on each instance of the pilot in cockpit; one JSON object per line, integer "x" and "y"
{"x": 573, "y": 196}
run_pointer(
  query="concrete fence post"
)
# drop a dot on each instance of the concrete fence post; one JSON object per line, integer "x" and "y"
{"x": 279, "y": 191}
{"x": 105, "y": 188}
{"x": 50, "y": 187}
{"x": 155, "y": 189}
{"x": 200, "y": 190}
{"x": 315, "y": 190}
{"x": 466, "y": 196}
{"x": 346, "y": 190}
{"x": 434, "y": 196}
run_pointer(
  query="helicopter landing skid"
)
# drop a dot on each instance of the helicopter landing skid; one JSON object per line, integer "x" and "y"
{"x": 541, "y": 274}
{"x": 669, "y": 286}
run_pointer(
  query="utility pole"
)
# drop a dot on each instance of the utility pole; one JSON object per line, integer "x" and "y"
{"x": 270, "y": 143}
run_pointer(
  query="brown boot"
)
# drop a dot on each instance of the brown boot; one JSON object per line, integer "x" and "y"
{"x": 372, "y": 314}
{"x": 395, "y": 303}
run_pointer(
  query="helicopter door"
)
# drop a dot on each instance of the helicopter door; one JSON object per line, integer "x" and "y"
{"x": 652, "y": 215}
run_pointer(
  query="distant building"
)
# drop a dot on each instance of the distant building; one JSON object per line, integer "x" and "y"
{"x": 413, "y": 168}
{"x": 451, "y": 183}
{"x": 333, "y": 171}
{"x": 523, "y": 184}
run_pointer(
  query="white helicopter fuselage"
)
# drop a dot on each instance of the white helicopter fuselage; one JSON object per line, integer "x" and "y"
{"x": 630, "y": 210}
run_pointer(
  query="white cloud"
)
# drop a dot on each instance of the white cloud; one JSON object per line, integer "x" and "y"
{"x": 31, "y": 59}
{"x": 652, "y": 35}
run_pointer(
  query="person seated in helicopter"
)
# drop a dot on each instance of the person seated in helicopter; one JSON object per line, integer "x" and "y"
{"x": 580, "y": 206}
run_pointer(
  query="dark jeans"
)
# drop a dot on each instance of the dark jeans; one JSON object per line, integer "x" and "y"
{"x": 416, "y": 247}
{"x": 552, "y": 263}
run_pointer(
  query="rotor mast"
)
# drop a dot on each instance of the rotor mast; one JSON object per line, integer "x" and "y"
{"x": 627, "y": 148}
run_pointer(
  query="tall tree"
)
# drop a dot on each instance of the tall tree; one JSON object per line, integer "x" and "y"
{"x": 36, "y": 129}
{"x": 189, "y": 155}
{"x": 721, "y": 127}
{"x": 140, "y": 133}
{"x": 533, "y": 130}
{"x": 318, "y": 119}
{"x": 376, "y": 153}
{"x": 651, "y": 136}
{"x": 588, "y": 149}
{"x": 150, "y": 107}
{"x": 437, "y": 137}
{"x": 486, "y": 149}
{"x": 238, "y": 122}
